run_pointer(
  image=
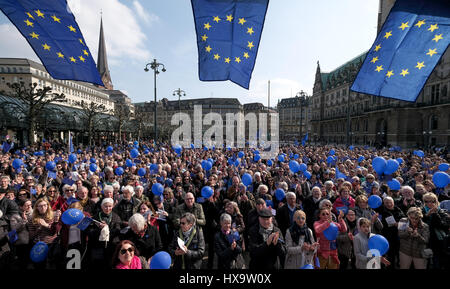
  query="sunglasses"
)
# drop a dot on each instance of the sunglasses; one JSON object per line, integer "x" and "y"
{"x": 183, "y": 223}
{"x": 130, "y": 250}
{"x": 51, "y": 191}
{"x": 325, "y": 214}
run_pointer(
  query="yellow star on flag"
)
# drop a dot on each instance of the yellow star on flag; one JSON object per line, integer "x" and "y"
{"x": 34, "y": 35}
{"x": 404, "y": 72}
{"x": 375, "y": 59}
{"x": 420, "y": 65}
{"x": 56, "y": 19}
{"x": 388, "y": 34}
{"x": 85, "y": 52}
{"x": 46, "y": 47}
{"x": 432, "y": 52}
{"x": 204, "y": 37}
{"x": 390, "y": 73}
{"x": 404, "y": 26}
{"x": 242, "y": 21}
{"x": 73, "y": 59}
{"x": 379, "y": 68}
{"x": 217, "y": 19}
{"x": 60, "y": 55}
{"x": 250, "y": 45}
{"x": 208, "y": 48}
{"x": 230, "y": 17}
{"x": 237, "y": 59}
{"x": 207, "y": 26}
{"x": 250, "y": 30}
{"x": 420, "y": 23}
{"x": 378, "y": 47}
{"x": 72, "y": 28}
{"x": 216, "y": 56}
{"x": 81, "y": 41}
{"x": 433, "y": 27}
{"x": 30, "y": 15}
{"x": 39, "y": 13}
{"x": 29, "y": 23}
{"x": 437, "y": 37}
{"x": 227, "y": 60}
{"x": 82, "y": 58}
{"x": 246, "y": 55}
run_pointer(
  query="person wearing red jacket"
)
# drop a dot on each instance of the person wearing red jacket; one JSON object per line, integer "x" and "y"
{"x": 327, "y": 252}
{"x": 345, "y": 201}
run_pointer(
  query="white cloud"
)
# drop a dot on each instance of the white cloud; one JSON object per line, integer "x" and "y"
{"x": 144, "y": 15}
{"x": 16, "y": 46}
{"x": 279, "y": 88}
{"x": 125, "y": 39}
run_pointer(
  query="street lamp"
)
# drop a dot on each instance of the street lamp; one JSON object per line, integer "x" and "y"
{"x": 179, "y": 92}
{"x": 302, "y": 96}
{"x": 155, "y": 65}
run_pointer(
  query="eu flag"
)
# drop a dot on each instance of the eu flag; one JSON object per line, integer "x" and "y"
{"x": 412, "y": 41}
{"x": 51, "y": 30}
{"x": 228, "y": 37}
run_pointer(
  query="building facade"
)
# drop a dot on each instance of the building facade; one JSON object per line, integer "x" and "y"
{"x": 345, "y": 117}
{"x": 290, "y": 111}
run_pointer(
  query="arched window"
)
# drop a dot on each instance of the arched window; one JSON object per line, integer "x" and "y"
{"x": 434, "y": 122}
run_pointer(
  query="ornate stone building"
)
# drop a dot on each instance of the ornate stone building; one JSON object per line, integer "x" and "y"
{"x": 345, "y": 117}
{"x": 290, "y": 110}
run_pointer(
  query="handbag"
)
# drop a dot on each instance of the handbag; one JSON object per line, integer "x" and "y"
{"x": 427, "y": 253}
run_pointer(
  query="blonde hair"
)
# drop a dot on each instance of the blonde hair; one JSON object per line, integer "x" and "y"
{"x": 363, "y": 221}
{"x": 431, "y": 197}
{"x": 299, "y": 213}
{"x": 360, "y": 198}
{"x": 415, "y": 211}
{"x": 48, "y": 216}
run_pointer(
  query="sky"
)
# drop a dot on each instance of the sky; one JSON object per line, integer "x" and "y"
{"x": 297, "y": 34}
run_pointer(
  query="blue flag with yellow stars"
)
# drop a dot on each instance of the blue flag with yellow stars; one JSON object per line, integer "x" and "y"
{"x": 228, "y": 37}
{"x": 50, "y": 28}
{"x": 413, "y": 39}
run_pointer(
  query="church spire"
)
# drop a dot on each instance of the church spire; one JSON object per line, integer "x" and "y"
{"x": 102, "y": 60}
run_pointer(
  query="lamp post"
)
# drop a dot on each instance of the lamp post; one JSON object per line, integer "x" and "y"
{"x": 179, "y": 92}
{"x": 155, "y": 65}
{"x": 427, "y": 135}
{"x": 302, "y": 96}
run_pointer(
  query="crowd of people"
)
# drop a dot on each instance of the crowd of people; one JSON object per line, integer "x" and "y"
{"x": 240, "y": 226}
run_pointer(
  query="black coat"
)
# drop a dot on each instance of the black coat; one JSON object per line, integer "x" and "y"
{"x": 8, "y": 208}
{"x": 310, "y": 208}
{"x": 283, "y": 218}
{"x": 223, "y": 250}
{"x": 196, "y": 249}
{"x": 391, "y": 233}
{"x": 263, "y": 257}
{"x": 148, "y": 245}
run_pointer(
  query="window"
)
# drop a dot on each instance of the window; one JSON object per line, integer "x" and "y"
{"x": 435, "y": 91}
{"x": 434, "y": 122}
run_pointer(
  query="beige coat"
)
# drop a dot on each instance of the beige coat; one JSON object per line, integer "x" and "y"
{"x": 296, "y": 257}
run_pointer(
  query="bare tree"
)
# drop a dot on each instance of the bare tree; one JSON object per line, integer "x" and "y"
{"x": 123, "y": 114}
{"x": 140, "y": 120}
{"x": 91, "y": 111}
{"x": 34, "y": 102}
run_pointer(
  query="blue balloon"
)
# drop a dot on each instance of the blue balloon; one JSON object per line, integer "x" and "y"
{"x": 72, "y": 216}
{"x": 93, "y": 160}
{"x": 237, "y": 163}
{"x": 142, "y": 172}
{"x": 153, "y": 167}
{"x": 136, "y": 142}
{"x": 269, "y": 203}
{"x": 247, "y": 179}
{"x": 157, "y": 189}
{"x": 270, "y": 163}
{"x": 39, "y": 252}
{"x": 307, "y": 175}
{"x": 379, "y": 165}
{"x": 119, "y": 171}
{"x": 330, "y": 159}
{"x": 256, "y": 158}
{"x": 360, "y": 159}
{"x": 17, "y": 163}
{"x": 50, "y": 166}
{"x": 400, "y": 161}
{"x": 303, "y": 167}
{"x": 351, "y": 148}
{"x": 281, "y": 158}
{"x": 331, "y": 232}
{"x": 161, "y": 260}
{"x": 79, "y": 151}
{"x": 419, "y": 153}
{"x": 375, "y": 201}
{"x": 332, "y": 152}
{"x": 230, "y": 161}
{"x": 241, "y": 154}
{"x": 72, "y": 158}
{"x": 444, "y": 167}
{"x": 146, "y": 152}
{"x": 294, "y": 166}
{"x": 394, "y": 185}
{"x": 110, "y": 149}
{"x": 129, "y": 163}
{"x": 441, "y": 179}
{"x": 211, "y": 160}
{"x": 307, "y": 266}
{"x": 93, "y": 168}
{"x": 280, "y": 194}
{"x": 207, "y": 192}
{"x": 134, "y": 153}
{"x": 207, "y": 165}
{"x": 177, "y": 148}
{"x": 391, "y": 167}
{"x": 378, "y": 242}
{"x": 169, "y": 182}
{"x": 256, "y": 152}
{"x": 192, "y": 146}
{"x": 296, "y": 156}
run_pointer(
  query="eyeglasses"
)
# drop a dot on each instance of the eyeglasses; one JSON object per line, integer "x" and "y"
{"x": 325, "y": 214}
{"x": 301, "y": 218}
{"x": 70, "y": 190}
{"x": 130, "y": 250}
{"x": 183, "y": 223}
{"x": 51, "y": 191}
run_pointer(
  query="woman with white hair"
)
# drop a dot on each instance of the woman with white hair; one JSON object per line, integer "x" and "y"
{"x": 68, "y": 193}
{"x": 228, "y": 245}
